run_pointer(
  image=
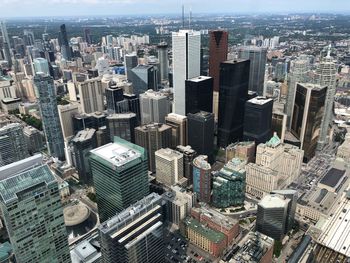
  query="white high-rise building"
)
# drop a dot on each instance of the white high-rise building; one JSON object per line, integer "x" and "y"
{"x": 186, "y": 63}
{"x": 154, "y": 107}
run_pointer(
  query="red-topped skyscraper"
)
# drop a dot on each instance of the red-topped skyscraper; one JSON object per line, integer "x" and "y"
{"x": 218, "y": 47}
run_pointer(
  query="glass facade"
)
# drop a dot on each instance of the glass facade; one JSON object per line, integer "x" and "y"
{"x": 202, "y": 178}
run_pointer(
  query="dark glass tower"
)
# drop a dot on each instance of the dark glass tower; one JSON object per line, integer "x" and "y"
{"x": 201, "y": 133}
{"x": 63, "y": 42}
{"x": 199, "y": 94}
{"x": 234, "y": 82}
{"x": 113, "y": 96}
{"x": 257, "y": 120}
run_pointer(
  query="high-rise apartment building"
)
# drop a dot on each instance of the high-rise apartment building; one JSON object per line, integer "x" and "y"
{"x": 218, "y": 48}
{"x": 234, "y": 82}
{"x": 201, "y": 133}
{"x": 153, "y": 137}
{"x": 91, "y": 95}
{"x": 229, "y": 184}
{"x": 32, "y": 212}
{"x": 202, "y": 178}
{"x": 178, "y": 124}
{"x": 257, "y": 57}
{"x": 120, "y": 177}
{"x": 163, "y": 60}
{"x": 154, "y": 107}
{"x": 46, "y": 97}
{"x": 186, "y": 64}
{"x": 122, "y": 125}
{"x": 135, "y": 235}
{"x": 257, "y": 120}
{"x": 308, "y": 113}
{"x": 169, "y": 166}
{"x": 82, "y": 144}
{"x": 199, "y": 94}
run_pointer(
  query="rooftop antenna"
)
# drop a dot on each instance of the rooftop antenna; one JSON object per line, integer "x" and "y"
{"x": 183, "y": 16}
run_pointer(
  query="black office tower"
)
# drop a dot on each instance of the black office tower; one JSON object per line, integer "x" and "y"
{"x": 233, "y": 94}
{"x": 257, "y": 120}
{"x": 114, "y": 95}
{"x": 199, "y": 94}
{"x": 63, "y": 42}
{"x": 201, "y": 133}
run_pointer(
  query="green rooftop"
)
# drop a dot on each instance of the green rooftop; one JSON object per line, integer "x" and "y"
{"x": 274, "y": 141}
{"x": 210, "y": 234}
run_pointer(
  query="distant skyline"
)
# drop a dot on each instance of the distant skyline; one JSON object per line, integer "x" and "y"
{"x": 42, "y": 8}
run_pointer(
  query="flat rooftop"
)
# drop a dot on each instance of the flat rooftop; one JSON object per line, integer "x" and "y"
{"x": 272, "y": 201}
{"x": 199, "y": 78}
{"x": 332, "y": 177}
{"x": 260, "y": 100}
{"x": 195, "y": 225}
{"x": 84, "y": 135}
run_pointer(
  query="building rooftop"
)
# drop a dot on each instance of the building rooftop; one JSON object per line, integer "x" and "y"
{"x": 85, "y": 252}
{"x": 186, "y": 149}
{"x": 153, "y": 94}
{"x": 274, "y": 141}
{"x": 195, "y": 225}
{"x": 234, "y": 165}
{"x": 333, "y": 177}
{"x": 201, "y": 161}
{"x": 149, "y": 126}
{"x": 20, "y": 166}
{"x": 168, "y": 154}
{"x": 260, "y": 100}
{"x": 199, "y": 78}
{"x": 84, "y": 135}
{"x": 272, "y": 201}
{"x": 5, "y": 251}
{"x": 126, "y": 115}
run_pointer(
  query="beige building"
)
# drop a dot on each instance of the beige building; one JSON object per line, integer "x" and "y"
{"x": 344, "y": 149}
{"x": 91, "y": 95}
{"x": 65, "y": 113}
{"x": 178, "y": 124}
{"x": 169, "y": 166}
{"x": 28, "y": 89}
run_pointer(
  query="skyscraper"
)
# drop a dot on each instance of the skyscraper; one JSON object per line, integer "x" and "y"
{"x": 45, "y": 94}
{"x": 41, "y": 65}
{"x": 307, "y": 116}
{"x": 29, "y": 193}
{"x": 189, "y": 155}
{"x": 169, "y": 166}
{"x": 64, "y": 44}
{"x": 154, "y": 107}
{"x": 186, "y": 63}
{"x": 163, "y": 60}
{"x": 87, "y": 35}
{"x": 153, "y": 137}
{"x": 119, "y": 172}
{"x": 201, "y": 133}
{"x": 13, "y": 146}
{"x": 122, "y": 125}
{"x": 130, "y": 61}
{"x": 143, "y": 78}
{"x": 135, "y": 235}
{"x": 83, "y": 143}
{"x": 234, "y": 83}
{"x": 202, "y": 178}
{"x": 66, "y": 113}
{"x": 326, "y": 76}
{"x": 114, "y": 95}
{"x": 178, "y": 124}
{"x": 218, "y": 48}
{"x": 199, "y": 94}
{"x": 91, "y": 95}
{"x": 257, "y": 57}
{"x": 6, "y": 44}
{"x": 257, "y": 120}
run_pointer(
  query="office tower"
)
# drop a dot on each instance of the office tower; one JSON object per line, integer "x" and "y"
{"x": 163, "y": 60}
{"x": 169, "y": 166}
{"x": 234, "y": 82}
{"x": 218, "y": 48}
{"x": 120, "y": 177}
{"x": 102, "y": 66}
{"x": 4, "y": 33}
{"x": 199, "y": 94}
{"x": 307, "y": 116}
{"x": 257, "y": 57}
{"x": 130, "y": 61}
{"x": 63, "y": 42}
{"x": 202, "y": 178}
{"x": 178, "y": 124}
{"x": 30, "y": 193}
{"x": 298, "y": 74}
{"x": 41, "y": 65}
{"x": 114, "y": 95}
{"x": 45, "y": 94}
{"x": 154, "y": 107}
{"x": 122, "y": 125}
{"x": 279, "y": 124}
{"x": 91, "y": 95}
{"x": 189, "y": 155}
{"x": 135, "y": 235}
{"x": 7, "y": 54}
{"x": 272, "y": 216}
{"x": 201, "y": 133}
{"x": 257, "y": 120}
{"x": 143, "y": 78}
{"x": 326, "y": 76}
{"x": 34, "y": 139}
{"x": 244, "y": 151}
{"x": 186, "y": 64}
{"x": 133, "y": 104}
{"x": 153, "y": 137}
{"x": 66, "y": 113}
{"x": 229, "y": 184}
{"x": 87, "y": 35}
{"x": 82, "y": 144}
{"x": 13, "y": 146}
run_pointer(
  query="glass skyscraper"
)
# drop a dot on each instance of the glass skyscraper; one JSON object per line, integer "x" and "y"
{"x": 45, "y": 94}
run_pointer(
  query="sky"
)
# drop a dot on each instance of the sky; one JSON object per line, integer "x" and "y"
{"x": 34, "y": 8}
